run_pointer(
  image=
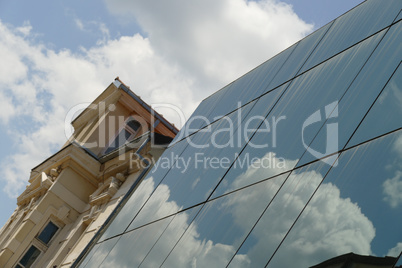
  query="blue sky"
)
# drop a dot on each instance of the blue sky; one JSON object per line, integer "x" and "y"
{"x": 57, "y": 54}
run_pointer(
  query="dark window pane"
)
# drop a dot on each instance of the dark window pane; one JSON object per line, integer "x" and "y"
{"x": 30, "y": 256}
{"x": 133, "y": 124}
{"x": 47, "y": 234}
{"x": 120, "y": 140}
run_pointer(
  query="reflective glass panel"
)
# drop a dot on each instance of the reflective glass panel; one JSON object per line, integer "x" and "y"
{"x": 399, "y": 263}
{"x": 134, "y": 246}
{"x": 199, "y": 118}
{"x": 358, "y": 208}
{"x": 250, "y": 85}
{"x": 355, "y": 25}
{"x": 280, "y": 215}
{"x": 358, "y": 99}
{"x": 99, "y": 253}
{"x": 294, "y": 121}
{"x": 299, "y": 56}
{"x": 203, "y": 167}
{"x": 171, "y": 234}
{"x": 185, "y": 183}
{"x": 399, "y": 17}
{"x": 88, "y": 257}
{"x": 143, "y": 191}
{"x": 385, "y": 114}
{"x": 222, "y": 225}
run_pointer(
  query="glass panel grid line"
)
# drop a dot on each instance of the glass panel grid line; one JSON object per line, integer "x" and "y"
{"x": 204, "y": 203}
{"x": 209, "y": 197}
{"x": 331, "y": 178}
{"x": 359, "y": 80}
{"x": 340, "y": 153}
{"x": 155, "y": 188}
{"x": 335, "y": 108}
{"x": 297, "y": 75}
{"x": 371, "y": 106}
{"x": 298, "y": 216}
{"x": 268, "y": 178}
{"x": 111, "y": 222}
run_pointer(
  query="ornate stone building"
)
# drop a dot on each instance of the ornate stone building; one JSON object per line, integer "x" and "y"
{"x": 74, "y": 192}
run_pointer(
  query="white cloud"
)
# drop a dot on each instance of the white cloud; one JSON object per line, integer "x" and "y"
{"x": 395, "y": 251}
{"x": 215, "y": 41}
{"x": 392, "y": 189}
{"x": 331, "y": 226}
{"x": 192, "y": 50}
{"x": 6, "y": 108}
{"x": 79, "y": 24}
{"x": 38, "y": 86}
{"x": 195, "y": 252}
{"x": 259, "y": 170}
{"x": 398, "y": 146}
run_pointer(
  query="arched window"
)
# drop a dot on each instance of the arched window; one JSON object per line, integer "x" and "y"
{"x": 126, "y": 134}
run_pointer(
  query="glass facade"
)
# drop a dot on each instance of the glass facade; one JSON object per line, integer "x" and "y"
{"x": 294, "y": 163}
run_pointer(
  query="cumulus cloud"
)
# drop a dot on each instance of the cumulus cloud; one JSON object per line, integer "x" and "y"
{"x": 267, "y": 166}
{"x": 196, "y": 252}
{"x": 332, "y": 225}
{"x": 215, "y": 41}
{"x": 398, "y": 146}
{"x": 392, "y": 189}
{"x": 7, "y": 109}
{"x": 191, "y": 50}
{"x": 39, "y": 85}
{"x": 79, "y": 24}
{"x": 395, "y": 251}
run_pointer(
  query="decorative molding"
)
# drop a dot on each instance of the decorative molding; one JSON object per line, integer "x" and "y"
{"x": 35, "y": 189}
{"x": 107, "y": 190}
{"x": 102, "y": 195}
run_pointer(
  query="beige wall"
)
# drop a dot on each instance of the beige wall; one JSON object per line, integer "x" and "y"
{"x": 73, "y": 189}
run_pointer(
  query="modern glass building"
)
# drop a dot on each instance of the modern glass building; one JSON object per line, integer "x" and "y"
{"x": 297, "y": 162}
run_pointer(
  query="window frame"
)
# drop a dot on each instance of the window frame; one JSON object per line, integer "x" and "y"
{"x": 43, "y": 228}
{"x": 18, "y": 264}
{"x": 126, "y": 127}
